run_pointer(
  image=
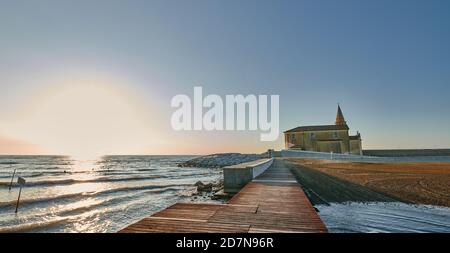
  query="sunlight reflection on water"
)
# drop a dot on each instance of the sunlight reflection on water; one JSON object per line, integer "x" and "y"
{"x": 103, "y": 195}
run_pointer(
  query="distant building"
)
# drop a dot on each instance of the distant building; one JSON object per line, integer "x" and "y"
{"x": 324, "y": 138}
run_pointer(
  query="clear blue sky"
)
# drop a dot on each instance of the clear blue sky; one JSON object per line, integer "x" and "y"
{"x": 386, "y": 62}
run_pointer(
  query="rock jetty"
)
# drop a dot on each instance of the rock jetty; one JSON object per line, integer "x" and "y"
{"x": 221, "y": 160}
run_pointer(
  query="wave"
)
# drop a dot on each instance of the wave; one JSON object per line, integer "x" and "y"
{"x": 79, "y": 181}
{"x": 112, "y": 201}
{"x": 68, "y": 213}
{"x": 147, "y": 169}
{"x": 155, "y": 188}
{"x": 39, "y": 200}
{"x": 32, "y": 226}
{"x": 169, "y": 175}
{"x": 9, "y": 163}
{"x": 42, "y": 174}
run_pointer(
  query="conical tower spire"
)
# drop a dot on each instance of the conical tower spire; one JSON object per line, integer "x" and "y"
{"x": 340, "y": 117}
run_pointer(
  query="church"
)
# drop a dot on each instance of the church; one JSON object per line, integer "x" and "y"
{"x": 324, "y": 138}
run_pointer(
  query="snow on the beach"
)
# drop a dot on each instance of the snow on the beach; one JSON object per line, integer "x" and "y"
{"x": 384, "y": 217}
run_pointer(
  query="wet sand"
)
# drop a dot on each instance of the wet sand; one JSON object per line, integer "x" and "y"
{"x": 340, "y": 181}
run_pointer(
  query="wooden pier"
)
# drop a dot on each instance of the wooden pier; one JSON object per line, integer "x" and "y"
{"x": 272, "y": 202}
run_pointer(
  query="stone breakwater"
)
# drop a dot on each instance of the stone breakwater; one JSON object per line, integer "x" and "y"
{"x": 221, "y": 160}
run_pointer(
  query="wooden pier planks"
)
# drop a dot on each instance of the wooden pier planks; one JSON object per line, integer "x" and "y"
{"x": 157, "y": 225}
{"x": 272, "y": 203}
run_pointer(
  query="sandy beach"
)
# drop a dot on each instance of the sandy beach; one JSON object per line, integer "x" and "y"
{"x": 419, "y": 183}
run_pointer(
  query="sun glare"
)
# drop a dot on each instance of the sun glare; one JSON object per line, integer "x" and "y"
{"x": 86, "y": 120}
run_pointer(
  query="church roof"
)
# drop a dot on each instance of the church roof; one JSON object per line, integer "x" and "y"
{"x": 340, "y": 117}
{"x": 354, "y": 137}
{"x": 317, "y": 128}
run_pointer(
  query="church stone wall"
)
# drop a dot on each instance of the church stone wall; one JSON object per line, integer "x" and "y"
{"x": 322, "y": 141}
{"x": 355, "y": 147}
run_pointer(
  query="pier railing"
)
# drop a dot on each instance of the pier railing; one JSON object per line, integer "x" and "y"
{"x": 359, "y": 158}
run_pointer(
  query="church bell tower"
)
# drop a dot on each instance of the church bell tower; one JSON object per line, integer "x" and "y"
{"x": 340, "y": 117}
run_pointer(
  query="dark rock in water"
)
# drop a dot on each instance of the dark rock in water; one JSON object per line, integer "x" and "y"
{"x": 201, "y": 187}
{"x": 205, "y": 188}
{"x": 220, "y": 195}
{"x": 212, "y": 190}
{"x": 209, "y": 187}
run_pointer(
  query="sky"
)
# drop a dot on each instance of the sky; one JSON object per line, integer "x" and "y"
{"x": 85, "y": 77}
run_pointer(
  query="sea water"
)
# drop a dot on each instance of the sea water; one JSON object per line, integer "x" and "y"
{"x": 63, "y": 194}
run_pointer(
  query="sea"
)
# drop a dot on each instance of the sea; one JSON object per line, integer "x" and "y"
{"x": 64, "y": 194}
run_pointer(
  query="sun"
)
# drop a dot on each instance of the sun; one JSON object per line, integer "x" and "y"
{"x": 86, "y": 119}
